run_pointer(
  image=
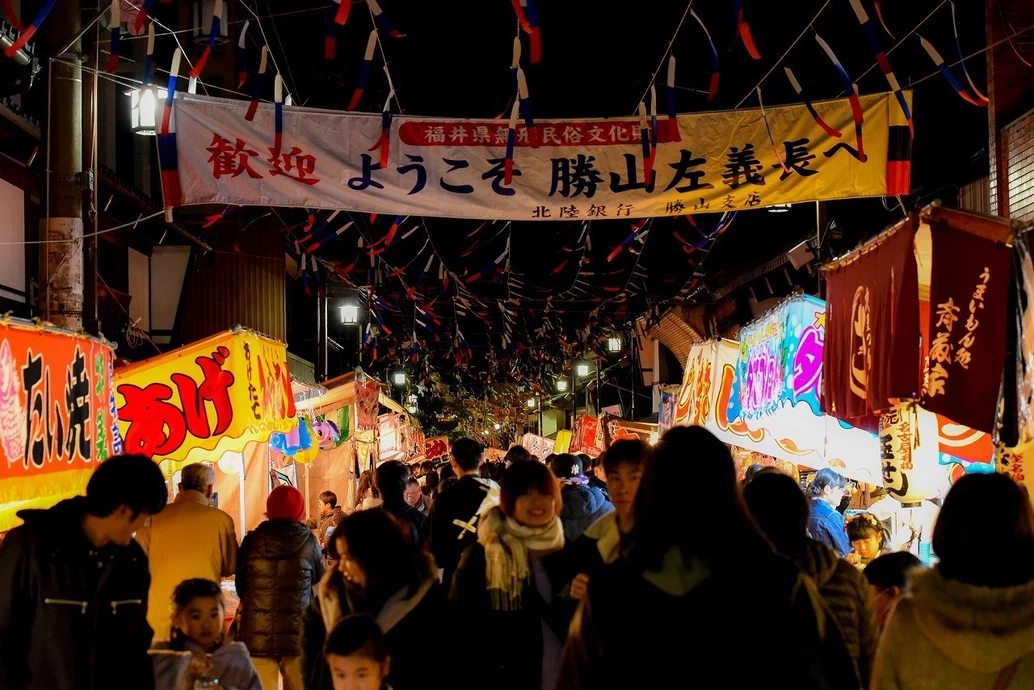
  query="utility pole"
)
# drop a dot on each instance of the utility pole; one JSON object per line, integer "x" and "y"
{"x": 61, "y": 257}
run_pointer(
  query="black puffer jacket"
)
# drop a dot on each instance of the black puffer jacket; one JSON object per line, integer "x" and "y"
{"x": 845, "y": 594}
{"x": 278, "y": 567}
{"x": 72, "y": 617}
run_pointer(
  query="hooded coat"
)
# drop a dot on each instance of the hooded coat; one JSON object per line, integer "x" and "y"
{"x": 845, "y": 594}
{"x": 583, "y": 505}
{"x": 71, "y": 616}
{"x": 947, "y": 635}
{"x": 278, "y": 568}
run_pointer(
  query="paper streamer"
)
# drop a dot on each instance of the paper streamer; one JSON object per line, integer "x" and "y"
{"x": 712, "y": 90}
{"x": 671, "y": 87}
{"x": 653, "y": 126}
{"x": 149, "y": 60}
{"x": 881, "y": 60}
{"x": 259, "y": 82}
{"x": 142, "y": 14}
{"x": 771, "y": 138}
{"x": 522, "y": 92}
{"x": 278, "y": 114}
{"x": 364, "y": 71}
{"x": 173, "y": 78}
{"x": 535, "y": 34}
{"x": 939, "y": 61}
{"x": 883, "y": 23}
{"x": 242, "y": 56}
{"x": 382, "y": 19}
{"x": 116, "y": 35}
{"x": 807, "y": 104}
{"x": 743, "y": 29}
{"x": 856, "y": 107}
{"x": 217, "y": 13}
{"x": 962, "y": 59}
{"x": 644, "y": 135}
{"x": 511, "y": 137}
{"x": 30, "y": 30}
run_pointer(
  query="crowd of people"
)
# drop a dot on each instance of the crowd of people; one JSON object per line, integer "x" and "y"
{"x": 567, "y": 572}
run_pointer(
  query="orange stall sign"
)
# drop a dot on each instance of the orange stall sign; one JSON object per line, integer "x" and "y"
{"x": 57, "y": 417}
{"x": 436, "y": 447}
{"x": 205, "y": 399}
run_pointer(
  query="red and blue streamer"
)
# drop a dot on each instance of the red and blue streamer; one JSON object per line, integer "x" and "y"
{"x": 743, "y": 29}
{"x": 216, "y": 217}
{"x": 637, "y": 232}
{"x": 382, "y": 19}
{"x": 856, "y": 106}
{"x": 671, "y": 87}
{"x": 535, "y": 35}
{"x": 338, "y": 17}
{"x": 525, "y": 101}
{"x": 28, "y": 32}
{"x": 883, "y": 23}
{"x": 364, "y": 71}
{"x": 173, "y": 78}
{"x": 712, "y": 90}
{"x": 771, "y": 138}
{"x": 167, "y": 154}
{"x": 149, "y": 60}
{"x": 242, "y": 56}
{"x": 217, "y": 11}
{"x": 511, "y": 138}
{"x": 939, "y": 61}
{"x": 278, "y": 115}
{"x": 142, "y": 14}
{"x": 260, "y": 81}
{"x": 962, "y": 59}
{"x": 116, "y": 35}
{"x": 881, "y": 60}
{"x": 644, "y": 136}
{"x": 807, "y": 104}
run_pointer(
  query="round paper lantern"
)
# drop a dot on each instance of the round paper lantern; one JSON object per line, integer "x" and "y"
{"x": 231, "y": 462}
{"x": 909, "y": 452}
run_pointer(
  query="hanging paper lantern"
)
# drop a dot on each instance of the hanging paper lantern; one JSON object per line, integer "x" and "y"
{"x": 909, "y": 454}
{"x": 231, "y": 462}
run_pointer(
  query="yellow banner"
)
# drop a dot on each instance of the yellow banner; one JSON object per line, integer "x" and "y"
{"x": 202, "y": 400}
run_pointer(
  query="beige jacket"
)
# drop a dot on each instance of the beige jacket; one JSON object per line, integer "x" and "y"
{"x": 946, "y": 635}
{"x": 186, "y": 540}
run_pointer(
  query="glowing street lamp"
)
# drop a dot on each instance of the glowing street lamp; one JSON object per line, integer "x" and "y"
{"x": 143, "y": 108}
{"x": 613, "y": 344}
{"x": 582, "y": 369}
{"x": 400, "y": 378}
{"x": 498, "y": 426}
{"x": 349, "y": 314}
{"x": 531, "y": 402}
{"x": 561, "y": 385}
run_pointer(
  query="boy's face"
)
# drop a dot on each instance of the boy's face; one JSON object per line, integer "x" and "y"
{"x": 201, "y": 620}
{"x": 623, "y": 483}
{"x": 357, "y": 672}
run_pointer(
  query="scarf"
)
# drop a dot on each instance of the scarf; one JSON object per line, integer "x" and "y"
{"x": 397, "y": 606}
{"x": 507, "y": 543}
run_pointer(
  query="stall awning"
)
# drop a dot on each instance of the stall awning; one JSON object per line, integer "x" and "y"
{"x": 202, "y": 400}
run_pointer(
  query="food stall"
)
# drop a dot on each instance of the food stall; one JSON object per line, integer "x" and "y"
{"x": 57, "y": 415}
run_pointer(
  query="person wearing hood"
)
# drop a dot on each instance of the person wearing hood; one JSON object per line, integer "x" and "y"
{"x": 582, "y": 504}
{"x": 278, "y": 567}
{"x": 968, "y": 622}
{"x": 780, "y": 509}
{"x": 687, "y": 596}
{"x": 381, "y": 574}
{"x": 507, "y": 585}
{"x": 73, "y": 586}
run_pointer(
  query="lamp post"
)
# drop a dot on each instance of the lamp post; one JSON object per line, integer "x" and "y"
{"x": 614, "y": 344}
{"x": 143, "y": 108}
{"x": 350, "y": 317}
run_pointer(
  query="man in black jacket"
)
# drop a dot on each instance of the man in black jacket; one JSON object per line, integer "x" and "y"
{"x": 73, "y": 586}
{"x": 392, "y": 477}
{"x": 454, "y": 513}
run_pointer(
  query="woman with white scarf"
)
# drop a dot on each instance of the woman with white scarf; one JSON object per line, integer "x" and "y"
{"x": 506, "y": 587}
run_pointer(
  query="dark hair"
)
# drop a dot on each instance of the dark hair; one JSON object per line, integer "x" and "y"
{"x": 565, "y": 465}
{"x": 516, "y": 454}
{"x": 985, "y": 532}
{"x": 627, "y": 451}
{"x": 891, "y": 570}
{"x": 359, "y": 635}
{"x": 379, "y": 544}
{"x": 184, "y": 593}
{"x": 522, "y": 477}
{"x": 467, "y": 453}
{"x": 427, "y": 466}
{"x": 864, "y": 526}
{"x": 780, "y": 509}
{"x": 756, "y": 469}
{"x": 391, "y": 480}
{"x": 663, "y": 518}
{"x": 485, "y": 471}
{"x": 412, "y": 481}
{"x": 134, "y": 481}
{"x": 446, "y": 473}
{"x": 330, "y": 498}
{"x": 587, "y": 462}
{"x": 430, "y": 482}
{"x": 366, "y": 482}
{"x": 826, "y": 477}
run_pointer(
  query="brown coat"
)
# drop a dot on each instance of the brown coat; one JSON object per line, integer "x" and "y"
{"x": 188, "y": 539}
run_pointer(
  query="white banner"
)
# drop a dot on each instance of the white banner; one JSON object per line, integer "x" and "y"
{"x": 562, "y": 169}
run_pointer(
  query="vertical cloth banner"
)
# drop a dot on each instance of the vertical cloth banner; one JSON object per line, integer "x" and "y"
{"x": 871, "y": 352}
{"x": 57, "y": 415}
{"x": 202, "y": 400}
{"x": 694, "y": 401}
{"x": 968, "y": 309}
{"x": 589, "y": 436}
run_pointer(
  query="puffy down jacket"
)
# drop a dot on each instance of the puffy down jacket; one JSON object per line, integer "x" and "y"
{"x": 278, "y": 567}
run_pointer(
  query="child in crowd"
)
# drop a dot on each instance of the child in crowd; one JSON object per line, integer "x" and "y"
{"x": 356, "y": 655}
{"x": 868, "y": 537}
{"x": 196, "y": 650}
{"x": 887, "y": 576}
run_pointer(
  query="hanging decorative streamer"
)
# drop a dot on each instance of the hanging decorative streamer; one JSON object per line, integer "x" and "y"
{"x": 644, "y": 135}
{"x": 856, "y": 107}
{"x": 116, "y": 35}
{"x": 712, "y": 90}
{"x": 515, "y": 64}
{"x": 310, "y": 220}
{"x": 879, "y": 15}
{"x": 384, "y": 141}
{"x": 1008, "y": 35}
{"x": 511, "y": 137}
{"x": 392, "y": 230}
{"x": 278, "y": 114}
{"x": 653, "y": 126}
{"x": 382, "y": 19}
{"x": 522, "y": 92}
{"x": 259, "y": 81}
{"x": 364, "y": 71}
{"x": 671, "y": 87}
{"x": 337, "y": 19}
{"x": 744, "y": 30}
{"x": 881, "y": 60}
{"x": 962, "y": 59}
{"x": 12, "y": 18}
{"x": 768, "y": 128}
{"x": 30, "y": 30}
{"x": 242, "y": 56}
{"x": 216, "y": 217}
{"x": 939, "y": 61}
{"x": 317, "y": 244}
{"x": 142, "y": 14}
{"x": 173, "y": 78}
{"x": 149, "y": 60}
{"x": 534, "y": 33}
{"x": 217, "y": 13}
{"x": 807, "y": 104}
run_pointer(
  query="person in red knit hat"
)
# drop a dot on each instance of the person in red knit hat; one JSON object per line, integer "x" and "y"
{"x": 278, "y": 567}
